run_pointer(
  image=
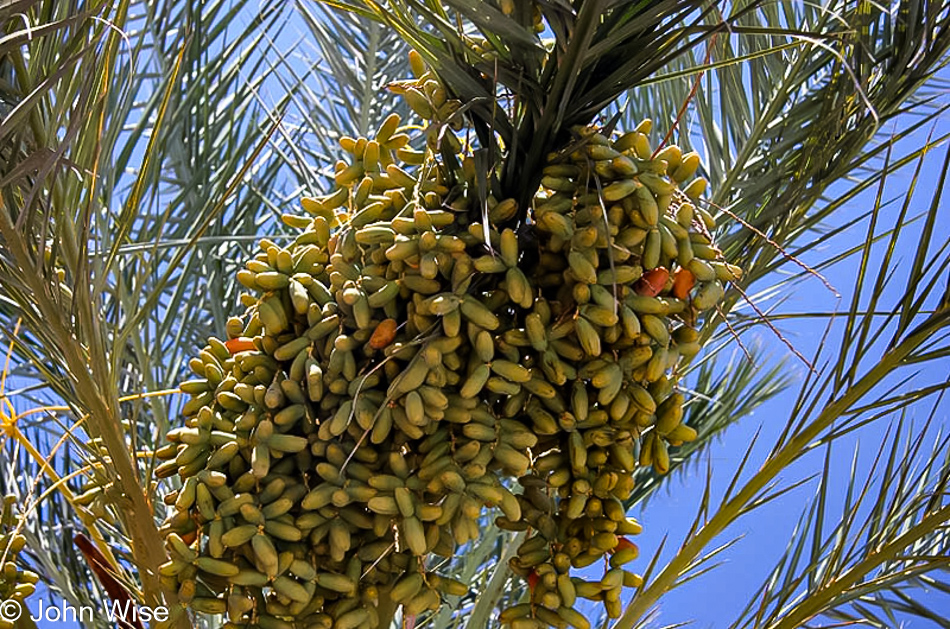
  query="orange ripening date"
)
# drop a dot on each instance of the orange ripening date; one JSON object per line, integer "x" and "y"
{"x": 240, "y": 344}
{"x": 652, "y": 282}
{"x": 683, "y": 282}
{"x": 384, "y": 334}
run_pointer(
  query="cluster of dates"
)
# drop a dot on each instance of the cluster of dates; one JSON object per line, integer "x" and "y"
{"x": 408, "y": 362}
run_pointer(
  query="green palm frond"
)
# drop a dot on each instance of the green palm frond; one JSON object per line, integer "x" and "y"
{"x": 484, "y": 568}
{"x": 772, "y": 133}
{"x": 868, "y": 368}
{"x": 63, "y": 88}
{"x": 599, "y": 51}
{"x": 812, "y": 109}
{"x": 125, "y": 191}
{"x": 355, "y": 58}
{"x": 869, "y": 563}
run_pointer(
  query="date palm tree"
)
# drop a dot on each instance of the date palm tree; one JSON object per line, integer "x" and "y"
{"x": 145, "y": 146}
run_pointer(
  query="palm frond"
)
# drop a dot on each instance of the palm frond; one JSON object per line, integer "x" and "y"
{"x": 142, "y": 139}
{"x": 850, "y": 378}
{"x": 485, "y": 57}
{"x": 868, "y": 564}
{"x": 767, "y": 116}
{"x": 355, "y": 59}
